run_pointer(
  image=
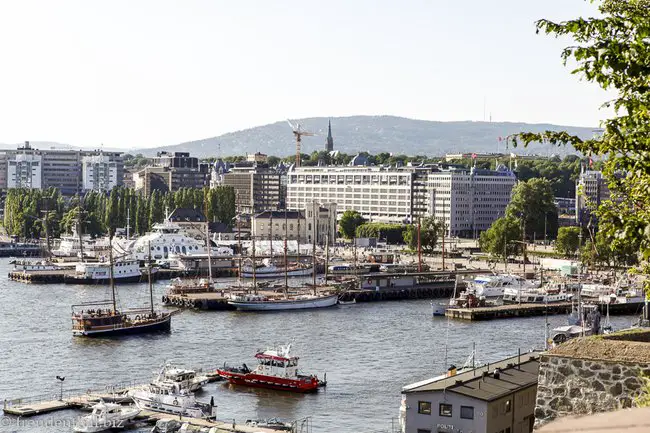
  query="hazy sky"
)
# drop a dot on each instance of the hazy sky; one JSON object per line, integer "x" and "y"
{"x": 143, "y": 73}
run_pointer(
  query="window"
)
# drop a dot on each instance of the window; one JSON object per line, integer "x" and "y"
{"x": 423, "y": 430}
{"x": 445, "y": 409}
{"x": 508, "y": 406}
{"x": 424, "y": 407}
{"x": 467, "y": 412}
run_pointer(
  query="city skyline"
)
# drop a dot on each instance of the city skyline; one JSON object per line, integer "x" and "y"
{"x": 154, "y": 73}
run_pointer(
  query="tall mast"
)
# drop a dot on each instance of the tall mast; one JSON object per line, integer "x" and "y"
{"x": 327, "y": 256}
{"x": 110, "y": 273}
{"x": 208, "y": 244}
{"x": 313, "y": 261}
{"x": 128, "y": 221}
{"x": 149, "y": 278}
{"x": 419, "y": 248}
{"x": 444, "y": 229}
{"x": 271, "y": 231}
{"x": 240, "y": 247}
{"x": 298, "y": 251}
{"x": 286, "y": 264}
{"x": 254, "y": 269}
{"x": 79, "y": 231}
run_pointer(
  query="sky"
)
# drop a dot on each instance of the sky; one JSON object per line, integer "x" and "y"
{"x": 146, "y": 73}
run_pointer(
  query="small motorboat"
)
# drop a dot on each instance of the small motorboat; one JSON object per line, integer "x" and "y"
{"x": 347, "y": 303}
{"x": 271, "y": 423}
{"x": 186, "y": 378}
{"x": 438, "y": 310}
{"x": 106, "y": 416}
{"x": 166, "y": 425}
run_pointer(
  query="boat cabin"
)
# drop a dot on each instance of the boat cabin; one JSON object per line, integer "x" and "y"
{"x": 381, "y": 257}
{"x": 276, "y": 365}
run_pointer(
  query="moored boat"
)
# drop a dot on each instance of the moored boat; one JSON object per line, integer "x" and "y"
{"x": 106, "y": 416}
{"x": 187, "y": 379}
{"x": 277, "y": 369}
{"x": 169, "y": 397}
{"x": 248, "y": 302}
{"x": 124, "y": 271}
{"x": 271, "y": 423}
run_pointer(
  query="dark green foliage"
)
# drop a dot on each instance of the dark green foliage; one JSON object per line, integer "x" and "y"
{"x": 503, "y": 237}
{"x": 393, "y": 233}
{"x": 101, "y": 213}
{"x": 568, "y": 241}
{"x": 350, "y": 220}
{"x": 534, "y": 202}
{"x": 430, "y": 231}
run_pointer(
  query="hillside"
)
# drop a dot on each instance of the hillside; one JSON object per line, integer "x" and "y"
{"x": 374, "y": 134}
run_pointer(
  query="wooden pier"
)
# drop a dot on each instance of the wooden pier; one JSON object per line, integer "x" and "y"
{"x": 529, "y": 310}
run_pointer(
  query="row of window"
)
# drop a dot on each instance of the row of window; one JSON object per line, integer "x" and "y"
{"x": 445, "y": 409}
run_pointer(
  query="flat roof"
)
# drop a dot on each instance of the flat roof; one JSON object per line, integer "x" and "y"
{"x": 515, "y": 373}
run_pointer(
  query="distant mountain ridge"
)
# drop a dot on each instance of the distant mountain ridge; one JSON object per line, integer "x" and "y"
{"x": 376, "y": 134}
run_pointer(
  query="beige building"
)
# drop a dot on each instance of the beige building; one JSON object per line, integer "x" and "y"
{"x": 317, "y": 221}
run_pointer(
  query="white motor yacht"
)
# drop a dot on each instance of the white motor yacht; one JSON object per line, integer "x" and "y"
{"x": 492, "y": 286}
{"x": 106, "y": 416}
{"x": 187, "y": 379}
{"x": 169, "y": 397}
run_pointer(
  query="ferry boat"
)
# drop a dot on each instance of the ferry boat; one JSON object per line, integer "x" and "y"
{"x": 167, "y": 238}
{"x": 106, "y": 416}
{"x": 492, "y": 286}
{"x": 186, "y": 378}
{"x": 250, "y": 302}
{"x": 170, "y": 397}
{"x": 276, "y": 369}
{"x": 124, "y": 271}
{"x": 270, "y": 270}
{"x": 35, "y": 266}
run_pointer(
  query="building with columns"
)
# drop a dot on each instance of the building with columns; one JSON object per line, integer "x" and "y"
{"x": 315, "y": 221}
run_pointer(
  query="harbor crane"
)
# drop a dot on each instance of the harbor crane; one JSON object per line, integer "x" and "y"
{"x": 298, "y": 132}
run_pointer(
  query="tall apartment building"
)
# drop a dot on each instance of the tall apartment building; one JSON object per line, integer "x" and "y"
{"x": 172, "y": 171}
{"x": 99, "y": 173}
{"x": 591, "y": 191}
{"x": 27, "y": 167}
{"x": 468, "y": 200}
{"x": 257, "y": 188}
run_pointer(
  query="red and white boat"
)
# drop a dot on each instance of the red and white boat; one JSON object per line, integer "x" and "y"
{"x": 276, "y": 369}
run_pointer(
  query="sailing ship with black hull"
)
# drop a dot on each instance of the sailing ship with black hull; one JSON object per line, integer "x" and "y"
{"x": 103, "y": 319}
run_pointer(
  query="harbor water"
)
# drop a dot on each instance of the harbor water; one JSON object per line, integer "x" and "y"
{"x": 369, "y": 351}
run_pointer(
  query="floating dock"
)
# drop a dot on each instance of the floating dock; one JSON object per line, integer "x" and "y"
{"x": 529, "y": 310}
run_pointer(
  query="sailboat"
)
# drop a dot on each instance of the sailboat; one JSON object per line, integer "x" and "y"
{"x": 103, "y": 319}
{"x": 202, "y": 285}
{"x": 260, "y": 302}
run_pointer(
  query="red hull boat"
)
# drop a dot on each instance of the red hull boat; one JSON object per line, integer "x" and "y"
{"x": 276, "y": 369}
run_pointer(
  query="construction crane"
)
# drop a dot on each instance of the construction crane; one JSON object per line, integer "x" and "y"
{"x": 298, "y": 132}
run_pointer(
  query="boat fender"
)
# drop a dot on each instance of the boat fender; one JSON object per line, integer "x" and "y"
{"x": 137, "y": 318}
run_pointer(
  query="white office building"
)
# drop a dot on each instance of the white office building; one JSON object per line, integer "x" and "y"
{"x": 468, "y": 200}
{"x": 99, "y": 173}
{"x": 24, "y": 170}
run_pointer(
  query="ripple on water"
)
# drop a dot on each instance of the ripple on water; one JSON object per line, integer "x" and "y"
{"x": 369, "y": 352}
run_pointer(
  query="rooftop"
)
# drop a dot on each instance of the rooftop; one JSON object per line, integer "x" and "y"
{"x": 514, "y": 373}
{"x": 280, "y": 214}
{"x": 182, "y": 214}
{"x": 623, "y": 346}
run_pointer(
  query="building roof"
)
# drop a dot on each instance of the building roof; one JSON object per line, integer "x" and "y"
{"x": 280, "y": 214}
{"x": 515, "y": 373}
{"x": 219, "y": 227}
{"x": 182, "y": 214}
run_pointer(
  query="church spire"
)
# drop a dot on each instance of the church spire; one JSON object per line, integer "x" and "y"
{"x": 330, "y": 141}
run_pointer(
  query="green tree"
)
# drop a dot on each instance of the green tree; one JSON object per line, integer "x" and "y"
{"x": 503, "y": 236}
{"x": 393, "y": 233}
{"x": 612, "y": 50}
{"x": 568, "y": 241}
{"x": 350, "y": 220}
{"x": 533, "y": 201}
{"x": 430, "y": 231}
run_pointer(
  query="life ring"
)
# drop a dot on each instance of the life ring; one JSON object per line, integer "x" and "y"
{"x": 175, "y": 402}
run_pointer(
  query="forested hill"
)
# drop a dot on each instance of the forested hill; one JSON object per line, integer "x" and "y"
{"x": 375, "y": 134}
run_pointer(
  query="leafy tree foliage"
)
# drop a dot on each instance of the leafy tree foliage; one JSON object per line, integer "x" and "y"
{"x": 430, "y": 231}
{"x": 612, "y": 50}
{"x": 502, "y": 237}
{"x": 102, "y": 213}
{"x": 533, "y": 201}
{"x": 393, "y": 233}
{"x": 568, "y": 241}
{"x": 350, "y": 220}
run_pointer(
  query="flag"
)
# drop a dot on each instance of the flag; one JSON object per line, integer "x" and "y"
{"x": 473, "y": 156}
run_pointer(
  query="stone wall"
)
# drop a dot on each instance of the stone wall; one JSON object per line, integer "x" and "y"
{"x": 578, "y": 386}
